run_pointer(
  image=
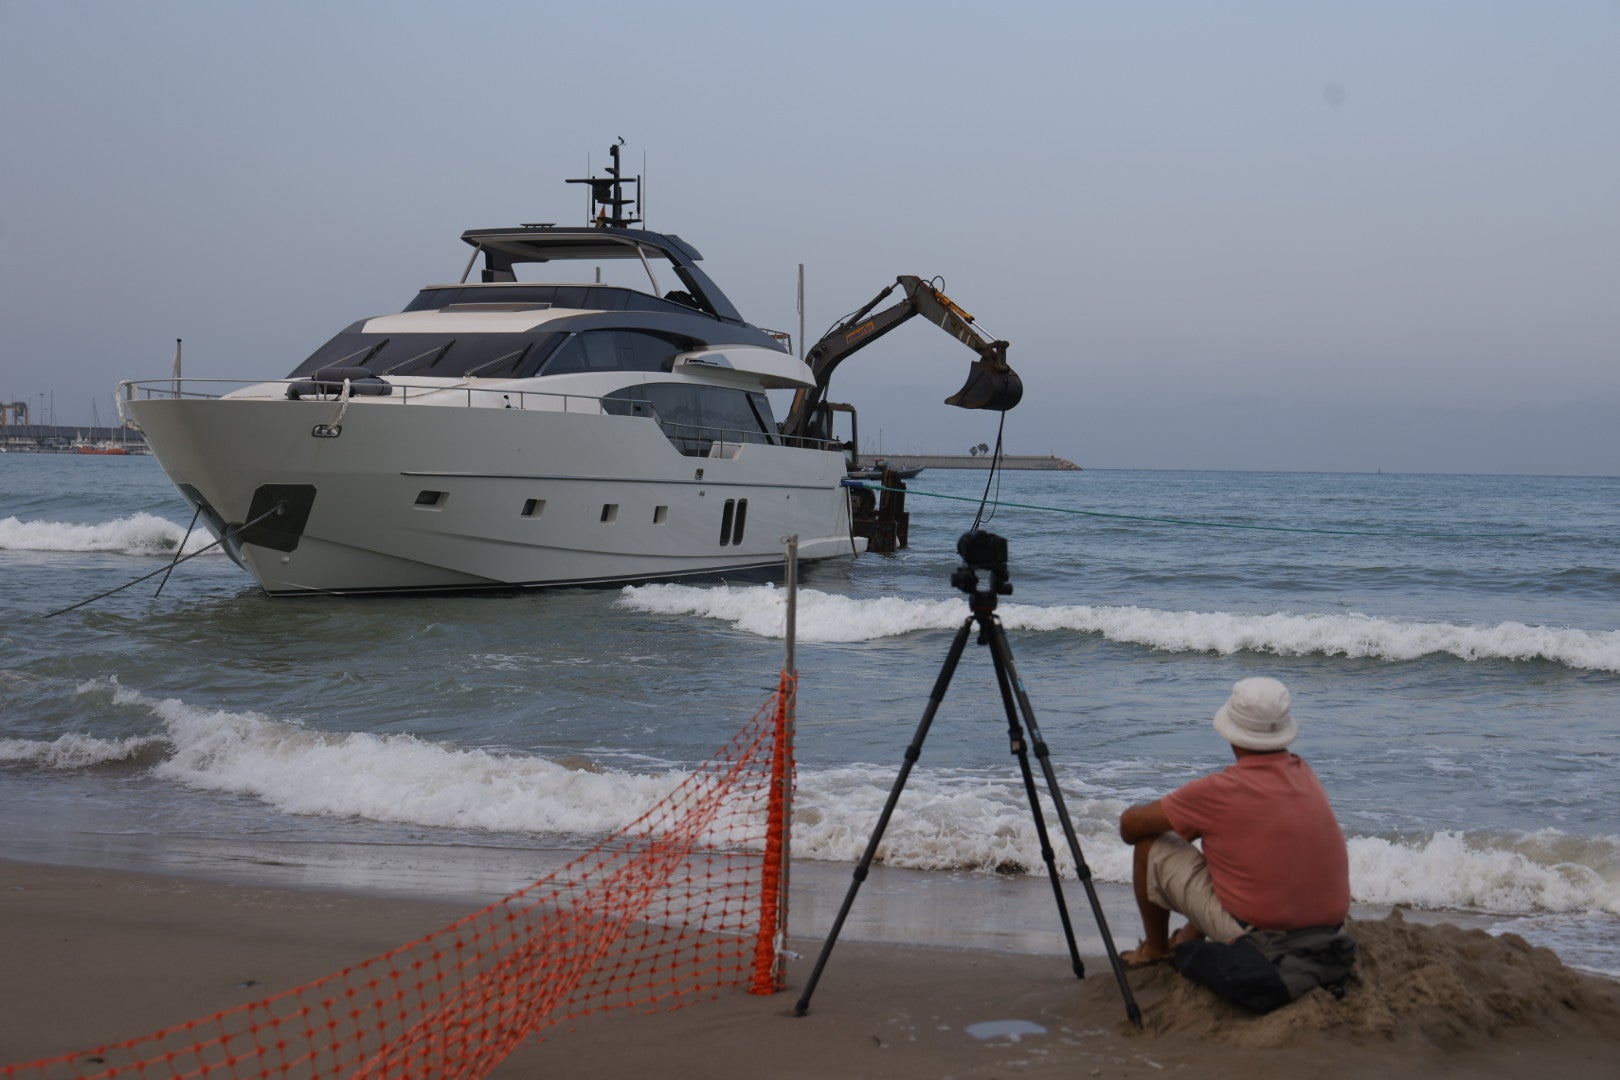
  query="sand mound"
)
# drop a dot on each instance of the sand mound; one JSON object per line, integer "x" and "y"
{"x": 1442, "y": 984}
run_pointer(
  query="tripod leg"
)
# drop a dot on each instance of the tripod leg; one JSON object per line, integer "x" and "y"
{"x": 913, "y": 752}
{"x": 1003, "y": 655}
{"x": 1015, "y": 735}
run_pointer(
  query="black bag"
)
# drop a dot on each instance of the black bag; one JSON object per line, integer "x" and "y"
{"x": 1266, "y": 969}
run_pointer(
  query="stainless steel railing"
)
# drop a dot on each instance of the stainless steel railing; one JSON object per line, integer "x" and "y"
{"x": 692, "y": 440}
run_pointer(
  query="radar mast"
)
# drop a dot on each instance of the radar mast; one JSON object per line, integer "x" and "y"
{"x": 606, "y": 204}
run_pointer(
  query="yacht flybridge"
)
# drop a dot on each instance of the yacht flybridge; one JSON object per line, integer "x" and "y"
{"x": 507, "y": 432}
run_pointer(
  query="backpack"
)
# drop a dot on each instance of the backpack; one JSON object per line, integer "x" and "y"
{"x": 1266, "y": 969}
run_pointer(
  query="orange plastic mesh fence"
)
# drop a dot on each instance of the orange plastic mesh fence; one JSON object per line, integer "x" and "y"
{"x": 770, "y": 941}
{"x": 666, "y": 912}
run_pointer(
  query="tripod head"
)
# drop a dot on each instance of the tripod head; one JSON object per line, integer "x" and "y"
{"x": 982, "y": 550}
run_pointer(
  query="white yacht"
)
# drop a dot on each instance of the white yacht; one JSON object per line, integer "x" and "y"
{"x": 510, "y": 433}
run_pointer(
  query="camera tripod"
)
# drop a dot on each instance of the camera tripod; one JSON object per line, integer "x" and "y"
{"x": 986, "y": 551}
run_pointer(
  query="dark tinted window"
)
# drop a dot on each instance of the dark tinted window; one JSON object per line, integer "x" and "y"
{"x": 613, "y": 350}
{"x": 694, "y": 417}
{"x": 762, "y": 411}
{"x": 487, "y": 356}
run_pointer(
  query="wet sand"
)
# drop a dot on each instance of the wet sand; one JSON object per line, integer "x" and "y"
{"x": 93, "y": 956}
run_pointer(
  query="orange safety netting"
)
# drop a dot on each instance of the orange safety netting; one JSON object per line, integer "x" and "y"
{"x": 665, "y": 912}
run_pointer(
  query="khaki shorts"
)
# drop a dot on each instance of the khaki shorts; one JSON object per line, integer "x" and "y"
{"x": 1178, "y": 880}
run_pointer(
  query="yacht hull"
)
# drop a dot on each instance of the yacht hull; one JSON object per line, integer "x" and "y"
{"x": 420, "y": 498}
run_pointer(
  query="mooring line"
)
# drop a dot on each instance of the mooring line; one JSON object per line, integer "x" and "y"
{"x": 176, "y": 560}
{"x": 276, "y": 509}
{"x": 1205, "y": 524}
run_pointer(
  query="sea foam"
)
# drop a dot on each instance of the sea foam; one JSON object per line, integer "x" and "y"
{"x": 964, "y": 822}
{"x": 826, "y": 617}
{"x": 1483, "y": 872}
{"x": 394, "y": 778}
{"x": 138, "y": 534}
{"x": 74, "y": 750}
{"x": 947, "y": 819}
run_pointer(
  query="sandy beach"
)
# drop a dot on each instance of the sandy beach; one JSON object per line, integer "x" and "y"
{"x": 95, "y": 956}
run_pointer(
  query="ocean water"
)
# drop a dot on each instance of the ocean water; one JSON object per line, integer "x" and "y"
{"x": 1452, "y": 644}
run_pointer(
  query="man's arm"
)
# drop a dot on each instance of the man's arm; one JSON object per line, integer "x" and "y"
{"x": 1145, "y": 821}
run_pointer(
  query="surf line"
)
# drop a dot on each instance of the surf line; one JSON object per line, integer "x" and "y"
{"x": 1205, "y": 524}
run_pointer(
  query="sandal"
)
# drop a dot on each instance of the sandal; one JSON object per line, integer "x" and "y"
{"x": 1134, "y": 960}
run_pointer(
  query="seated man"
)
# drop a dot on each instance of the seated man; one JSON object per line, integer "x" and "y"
{"x": 1274, "y": 857}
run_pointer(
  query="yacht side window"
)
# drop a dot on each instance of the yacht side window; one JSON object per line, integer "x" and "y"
{"x": 613, "y": 350}
{"x": 694, "y": 417}
{"x": 590, "y": 351}
{"x": 650, "y": 352}
{"x": 569, "y": 357}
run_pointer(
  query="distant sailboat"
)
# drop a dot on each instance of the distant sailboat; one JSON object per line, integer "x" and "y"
{"x": 92, "y": 445}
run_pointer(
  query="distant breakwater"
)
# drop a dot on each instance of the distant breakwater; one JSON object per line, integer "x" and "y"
{"x": 1050, "y": 462}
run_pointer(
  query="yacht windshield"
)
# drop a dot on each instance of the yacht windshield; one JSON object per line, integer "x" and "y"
{"x": 487, "y": 356}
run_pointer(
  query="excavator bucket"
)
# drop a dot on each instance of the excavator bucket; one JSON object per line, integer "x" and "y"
{"x": 987, "y": 388}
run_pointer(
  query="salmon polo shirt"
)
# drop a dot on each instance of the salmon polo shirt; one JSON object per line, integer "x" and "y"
{"x": 1275, "y": 852}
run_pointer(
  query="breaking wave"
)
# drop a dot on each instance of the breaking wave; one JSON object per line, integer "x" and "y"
{"x": 138, "y": 534}
{"x": 949, "y": 819}
{"x": 827, "y": 617}
{"x": 76, "y": 751}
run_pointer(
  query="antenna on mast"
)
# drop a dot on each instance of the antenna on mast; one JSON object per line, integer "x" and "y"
{"x": 606, "y": 203}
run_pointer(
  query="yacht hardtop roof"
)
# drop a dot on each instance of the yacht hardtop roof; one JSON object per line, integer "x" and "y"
{"x": 542, "y": 243}
{"x": 503, "y": 248}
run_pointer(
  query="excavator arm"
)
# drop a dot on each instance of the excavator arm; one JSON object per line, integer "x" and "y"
{"x": 991, "y": 384}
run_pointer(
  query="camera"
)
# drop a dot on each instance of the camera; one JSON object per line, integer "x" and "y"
{"x": 982, "y": 550}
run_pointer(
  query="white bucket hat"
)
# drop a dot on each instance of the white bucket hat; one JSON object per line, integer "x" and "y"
{"x": 1256, "y": 716}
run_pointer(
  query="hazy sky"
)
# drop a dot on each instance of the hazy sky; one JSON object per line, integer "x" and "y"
{"x": 1288, "y": 235}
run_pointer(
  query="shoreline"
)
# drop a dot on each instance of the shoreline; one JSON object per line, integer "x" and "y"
{"x": 99, "y": 954}
{"x": 96, "y": 955}
{"x": 1013, "y": 915}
